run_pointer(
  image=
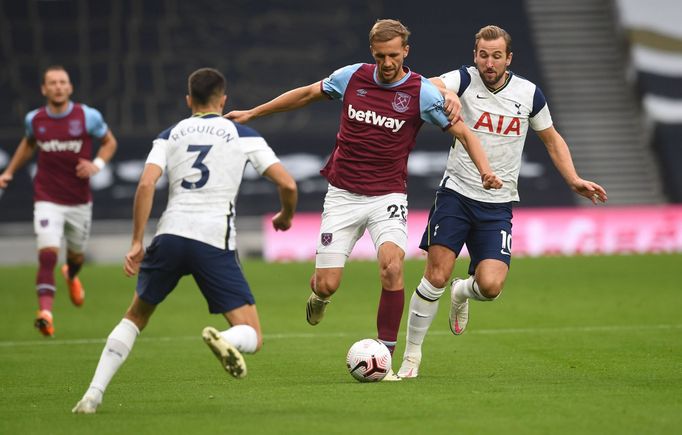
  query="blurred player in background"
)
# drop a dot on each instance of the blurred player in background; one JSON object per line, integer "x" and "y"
{"x": 384, "y": 106}
{"x": 63, "y": 131}
{"x": 204, "y": 158}
{"x": 499, "y": 106}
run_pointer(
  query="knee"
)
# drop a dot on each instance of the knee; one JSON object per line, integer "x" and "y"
{"x": 490, "y": 287}
{"x": 391, "y": 271}
{"x": 437, "y": 277}
{"x": 324, "y": 286}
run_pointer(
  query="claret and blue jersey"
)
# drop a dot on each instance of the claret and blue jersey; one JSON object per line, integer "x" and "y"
{"x": 378, "y": 127}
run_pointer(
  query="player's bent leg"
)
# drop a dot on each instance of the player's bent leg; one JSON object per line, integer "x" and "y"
{"x": 245, "y": 332}
{"x": 486, "y": 285}
{"x": 324, "y": 284}
{"x": 74, "y": 262}
{"x": 229, "y": 356}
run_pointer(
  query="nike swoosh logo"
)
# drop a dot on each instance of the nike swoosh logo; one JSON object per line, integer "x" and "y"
{"x": 503, "y": 252}
{"x": 482, "y": 98}
{"x": 419, "y": 315}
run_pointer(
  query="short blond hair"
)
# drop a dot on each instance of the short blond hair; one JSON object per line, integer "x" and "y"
{"x": 385, "y": 30}
{"x": 492, "y": 32}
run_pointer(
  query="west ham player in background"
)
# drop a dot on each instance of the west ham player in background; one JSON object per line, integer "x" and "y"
{"x": 384, "y": 105}
{"x": 499, "y": 106}
{"x": 62, "y": 131}
{"x": 204, "y": 158}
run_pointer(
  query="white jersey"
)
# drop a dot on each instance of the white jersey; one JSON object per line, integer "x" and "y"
{"x": 500, "y": 119}
{"x": 204, "y": 158}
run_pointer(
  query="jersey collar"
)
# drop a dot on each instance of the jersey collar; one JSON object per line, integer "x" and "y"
{"x": 205, "y": 115}
{"x": 506, "y": 82}
{"x": 66, "y": 113}
{"x": 408, "y": 72}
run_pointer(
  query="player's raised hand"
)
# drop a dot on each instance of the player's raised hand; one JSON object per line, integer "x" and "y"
{"x": 491, "y": 181}
{"x": 85, "y": 168}
{"x": 452, "y": 106}
{"x": 280, "y": 222}
{"x": 590, "y": 190}
{"x": 4, "y": 180}
{"x": 131, "y": 263}
{"x": 240, "y": 116}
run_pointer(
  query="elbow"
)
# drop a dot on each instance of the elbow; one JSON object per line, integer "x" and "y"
{"x": 289, "y": 186}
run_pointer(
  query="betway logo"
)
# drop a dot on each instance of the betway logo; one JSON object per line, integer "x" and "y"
{"x": 371, "y": 117}
{"x": 61, "y": 145}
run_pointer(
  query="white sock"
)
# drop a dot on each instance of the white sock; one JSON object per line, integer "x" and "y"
{"x": 243, "y": 337}
{"x": 423, "y": 308}
{"x": 468, "y": 289}
{"x": 119, "y": 344}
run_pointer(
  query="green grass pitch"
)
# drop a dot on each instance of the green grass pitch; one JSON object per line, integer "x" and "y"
{"x": 584, "y": 345}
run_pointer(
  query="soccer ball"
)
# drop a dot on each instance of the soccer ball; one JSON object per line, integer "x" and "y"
{"x": 368, "y": 360}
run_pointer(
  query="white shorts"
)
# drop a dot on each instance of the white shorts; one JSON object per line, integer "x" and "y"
{"x": 345, "y": 217}
{"x": 52, "y": 221}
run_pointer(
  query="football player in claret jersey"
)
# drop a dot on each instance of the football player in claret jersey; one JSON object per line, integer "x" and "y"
{"x": 499, "y": 106}
{"x": 63, "y": 132}
{"x": 383, "y": 106}
{"x": 204, "y": 158}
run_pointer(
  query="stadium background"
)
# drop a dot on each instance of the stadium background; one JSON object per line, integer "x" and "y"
{"x": 611, "y": 71}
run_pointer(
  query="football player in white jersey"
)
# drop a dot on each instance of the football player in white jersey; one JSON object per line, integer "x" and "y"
{"x": 498, "y": 106}
{"x": 204, "y": 158}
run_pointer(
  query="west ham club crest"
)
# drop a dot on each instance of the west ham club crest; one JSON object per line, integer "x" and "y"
{"x": 75, "y": 127}
{"x": 326, "y": 239}
{"x": 401, "y": 102}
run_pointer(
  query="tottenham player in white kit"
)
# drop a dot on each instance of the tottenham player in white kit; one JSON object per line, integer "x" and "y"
{"x": 204, "y": 158}
{"x": 498, "y": 106}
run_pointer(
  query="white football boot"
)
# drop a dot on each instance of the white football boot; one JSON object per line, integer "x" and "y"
{"x": 459, "y": 312}
{"x": 87, "y": 405}
{"x": 409, "y": 367}
{"x": 391, "y": 377}
{"x": 228, "y": 355}
{"x": 314, "y": 309}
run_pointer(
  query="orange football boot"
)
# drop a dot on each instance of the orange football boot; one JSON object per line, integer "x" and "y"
{"x": 76, "y": 291}
{"x": 44, "y": 323}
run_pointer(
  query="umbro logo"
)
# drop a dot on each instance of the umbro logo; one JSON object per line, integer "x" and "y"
{"x": 361, "y": 92}
{"x": 482, "y": 98}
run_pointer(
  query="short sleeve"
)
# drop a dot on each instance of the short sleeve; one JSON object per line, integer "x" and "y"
{"x": 256, "y": 149}
{"x": 335, "y": 85}
{"x": 94, "y": 122}
{"x": 431, "y": 105}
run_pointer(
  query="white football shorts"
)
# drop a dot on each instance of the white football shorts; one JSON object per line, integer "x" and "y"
{"x": 52, "y": 221}
{"x": 345, "y": 217}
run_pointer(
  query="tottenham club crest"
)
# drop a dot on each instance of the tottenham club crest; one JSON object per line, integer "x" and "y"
{"x": 401, "y": 102}
{"x": 75, "y": 127}
{"x": 326, "y": 239}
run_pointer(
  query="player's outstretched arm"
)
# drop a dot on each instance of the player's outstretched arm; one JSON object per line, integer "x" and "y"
{"x": 475, "y": 150}
{"x": 107, "y": 148}
{"x": 561, "y": 157}
{"x": 290, "y": 100}
{"x": 142, "y": 207}
{"x": 288, "y": 195}
{"x": 23, "y": 154}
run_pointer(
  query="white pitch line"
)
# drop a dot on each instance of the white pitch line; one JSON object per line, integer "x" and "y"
{"x": 614, "y": 328}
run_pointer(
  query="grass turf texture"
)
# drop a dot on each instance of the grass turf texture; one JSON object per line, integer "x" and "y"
{"x": 574, "y": 345}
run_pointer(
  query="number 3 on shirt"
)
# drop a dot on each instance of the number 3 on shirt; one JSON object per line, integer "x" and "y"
{"x": 198, "y": 164}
